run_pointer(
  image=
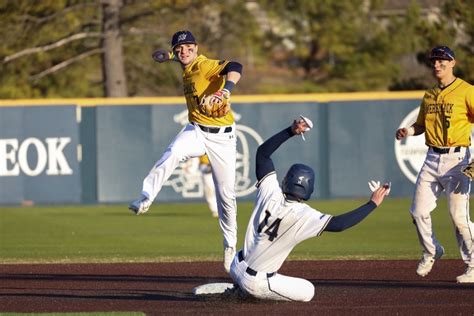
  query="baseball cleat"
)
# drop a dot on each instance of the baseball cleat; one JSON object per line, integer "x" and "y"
{"x": 236, "y": 293}
{"x": 229, "y": 254}
{"x": 427, "y": 262}
{"x": 467, "y": 277}
{"x": 140, "y": 206}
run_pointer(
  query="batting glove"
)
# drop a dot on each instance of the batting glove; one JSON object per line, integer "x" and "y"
{"x": 374, "y": 185}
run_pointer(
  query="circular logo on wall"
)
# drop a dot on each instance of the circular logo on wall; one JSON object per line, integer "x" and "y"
{"x": 410, "y": 152}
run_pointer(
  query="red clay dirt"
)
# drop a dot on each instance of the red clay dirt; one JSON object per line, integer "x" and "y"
{"x": 342, "y": 287}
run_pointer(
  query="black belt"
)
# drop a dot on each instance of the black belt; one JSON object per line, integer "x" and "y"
{"x": 251, "y": 271}
{"x": 446, "y": 150}
{"x": 214, "y": 130}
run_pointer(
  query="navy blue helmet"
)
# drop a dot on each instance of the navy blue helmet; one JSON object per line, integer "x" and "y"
{"x": 298, "y": 182}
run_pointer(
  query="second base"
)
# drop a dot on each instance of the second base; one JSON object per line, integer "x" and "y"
{"x": 212, "y": 288}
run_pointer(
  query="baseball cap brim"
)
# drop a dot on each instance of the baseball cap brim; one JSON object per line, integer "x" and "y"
{"x": 184, "y": 42}
{"x": 441, "y": 57}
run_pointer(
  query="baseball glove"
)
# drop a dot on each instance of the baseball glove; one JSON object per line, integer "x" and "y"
{"x": 215, "y": 105}
{"x": 469, "y": 170}
{"x": 162, "y": 55}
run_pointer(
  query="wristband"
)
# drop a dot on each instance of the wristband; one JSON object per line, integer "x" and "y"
{"x": 229, "y": 85}
{"x": 410, "y": 131}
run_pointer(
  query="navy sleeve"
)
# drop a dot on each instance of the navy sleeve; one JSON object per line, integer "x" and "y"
{"x": 232, "y": 66}
{"x": 349, "y": 219}
{"x": 264, "y": 164}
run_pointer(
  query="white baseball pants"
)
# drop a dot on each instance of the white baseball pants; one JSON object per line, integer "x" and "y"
{"x": 272, "y": 286}
{"x": 442, "y": 172}
{"x": 221, "y": 148}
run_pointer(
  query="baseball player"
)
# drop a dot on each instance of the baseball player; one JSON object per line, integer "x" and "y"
{"x": 280, "y": 220}
{"x": 208, "y": 183}
{"x": 446, "y": 116}
{"x": 212, "y": 81}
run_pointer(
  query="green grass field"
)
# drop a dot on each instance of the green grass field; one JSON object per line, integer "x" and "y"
{"x": 187, "y": 232}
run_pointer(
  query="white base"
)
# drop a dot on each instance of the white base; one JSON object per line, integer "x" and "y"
{"x": 212, "y": 288}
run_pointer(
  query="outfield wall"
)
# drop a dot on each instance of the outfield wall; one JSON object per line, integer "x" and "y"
{"x": 99, "y": 150}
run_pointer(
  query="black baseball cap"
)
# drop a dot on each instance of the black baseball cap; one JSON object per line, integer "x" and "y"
{"x": 441, "y": 52}
{"x": 182, "y": 37}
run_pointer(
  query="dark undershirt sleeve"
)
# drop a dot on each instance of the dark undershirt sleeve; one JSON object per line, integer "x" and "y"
{"x": 264, "y": 163}
{"x": 347, "y": 220}
{"x": 231, "y": 66}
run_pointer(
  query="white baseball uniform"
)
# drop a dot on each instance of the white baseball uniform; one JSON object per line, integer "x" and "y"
{"x": 441, "y": 173}
{"x": 447, "y": 115}
{"x": 276, "y": 226}
{"x": 220, "y": 147}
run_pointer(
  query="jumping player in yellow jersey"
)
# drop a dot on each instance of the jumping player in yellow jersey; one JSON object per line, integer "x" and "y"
{"x": 446, "y": 116}
{"x": 214, "y": 136}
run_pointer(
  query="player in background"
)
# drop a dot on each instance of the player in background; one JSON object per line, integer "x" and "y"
{"x": 280, "y": 220}
{"x": 198, "y": 169}
{"x": 209, "y": 190}
{"x": 446, "y": 116}
{"x": 202, "y": 135}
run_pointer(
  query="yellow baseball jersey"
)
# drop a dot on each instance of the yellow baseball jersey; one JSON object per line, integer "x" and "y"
{"x": 447, "y": 115}
{"x": 201, "y": 78}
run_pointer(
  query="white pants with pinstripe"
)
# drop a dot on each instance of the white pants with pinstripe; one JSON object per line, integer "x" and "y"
{"x": 441, "y": 172}
{"x": 275, "y": 287}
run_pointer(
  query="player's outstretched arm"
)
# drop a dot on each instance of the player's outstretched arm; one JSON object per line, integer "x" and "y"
{"x": 264, "y": 163}
{"x": 232, "y": 72}
{"x": 344, "y": 221}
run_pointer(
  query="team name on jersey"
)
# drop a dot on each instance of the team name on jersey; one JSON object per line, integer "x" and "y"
{"x": 439, "y": 108}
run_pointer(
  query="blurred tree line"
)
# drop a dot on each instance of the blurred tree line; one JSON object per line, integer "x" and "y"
{"x": 96, "y": 48}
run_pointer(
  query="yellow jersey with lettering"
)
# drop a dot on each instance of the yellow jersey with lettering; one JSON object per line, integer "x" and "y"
{"x": 201, "y": 78}
{"x": 447, "y": 115}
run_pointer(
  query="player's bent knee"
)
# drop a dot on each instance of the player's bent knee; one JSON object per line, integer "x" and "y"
{"x": 419, "y": 209}
{"x": 415, "y": 213}
{"x": 418, "y": 214}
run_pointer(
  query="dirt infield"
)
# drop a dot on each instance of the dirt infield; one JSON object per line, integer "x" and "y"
{"x": 342, "y": 287}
